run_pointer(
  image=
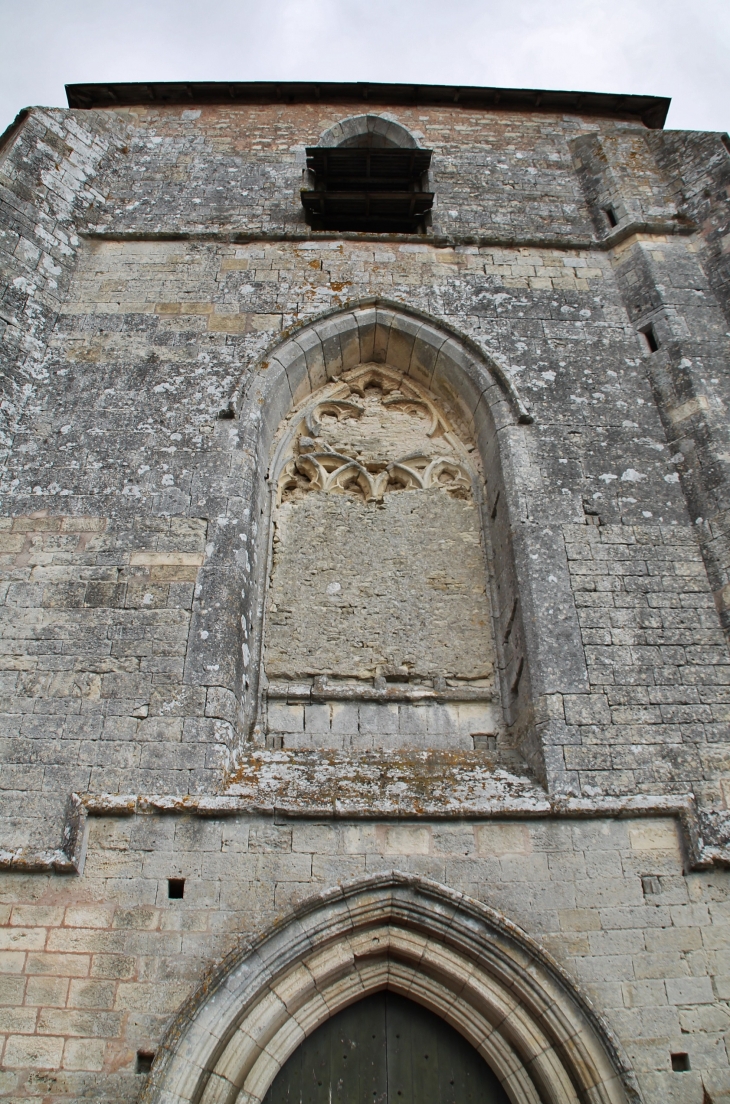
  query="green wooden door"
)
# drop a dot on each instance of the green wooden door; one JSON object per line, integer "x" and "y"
{"x": 385, "y": 1050}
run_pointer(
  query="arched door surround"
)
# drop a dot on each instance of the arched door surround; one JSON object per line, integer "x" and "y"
{"x": 466, "y": 963}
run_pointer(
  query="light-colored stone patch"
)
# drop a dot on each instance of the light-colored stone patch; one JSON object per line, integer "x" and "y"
{"x": 404, "y": 840}
{"x": 655, "y": 835}
{"x": 500, "y": 839}
{"x": 359, "y": 588}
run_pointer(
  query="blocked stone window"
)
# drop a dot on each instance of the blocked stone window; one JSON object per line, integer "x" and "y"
{"x": 378, "y": 622}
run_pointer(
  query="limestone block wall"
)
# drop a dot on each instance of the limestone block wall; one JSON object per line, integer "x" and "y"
{"x": 661, "y": 291}
{"x": 50, "y": 167}
{"x": 242, "y": 166}
{"x": 94, "y": 968}
{"x": 655, "y": 655}
{"x": 592, "y": 808}
{"x": 130, "y": 430}
{"x": 697, "y": 165}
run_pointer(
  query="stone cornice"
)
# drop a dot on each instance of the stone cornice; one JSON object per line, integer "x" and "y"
{"x": 696, "y": 826}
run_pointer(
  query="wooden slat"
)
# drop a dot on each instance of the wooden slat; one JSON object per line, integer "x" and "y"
{"x": 323, "y": 201}
{"x": 342, "y": 165}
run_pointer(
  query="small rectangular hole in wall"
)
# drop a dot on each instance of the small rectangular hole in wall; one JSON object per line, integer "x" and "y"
{"x": 651, "y": 338}
{"x": 650, "y": 885}
{"x": 591, "y": 514}
{"x": 484, "y": 742}
{"x": 680, "y": 1063}
{"x": 176, "y": 888}
{"x": 145, "y": 1058}
{"x": 610, "y": 214}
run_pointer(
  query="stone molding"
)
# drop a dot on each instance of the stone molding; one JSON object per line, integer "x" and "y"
{"x": 463, "y": 960}
{"x": 704, "y": 836}
{"x": 419, "y": 334}
{"x": 456, "y": 369}
{"x": 356, "y": 126}
{"x": 644, "y": 228}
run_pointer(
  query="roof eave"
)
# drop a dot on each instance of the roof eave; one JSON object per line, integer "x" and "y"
{"x": 650, "y": 110}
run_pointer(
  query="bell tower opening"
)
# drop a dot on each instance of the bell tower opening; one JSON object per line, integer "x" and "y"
{"x": 369, "y": 175}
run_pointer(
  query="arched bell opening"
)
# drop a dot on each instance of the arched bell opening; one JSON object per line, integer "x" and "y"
{"x": 458, "y": 960}
{"x": 368, "y": 173}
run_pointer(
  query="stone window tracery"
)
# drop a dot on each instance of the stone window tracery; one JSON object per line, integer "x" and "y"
{"x": 356, "y": 440}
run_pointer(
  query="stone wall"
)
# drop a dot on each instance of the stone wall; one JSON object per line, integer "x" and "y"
{"x": 134, "y": 432}
{"x": 162, "y": 292}
{"x": 94, "y": 968}
{"x": 51, "y": 165}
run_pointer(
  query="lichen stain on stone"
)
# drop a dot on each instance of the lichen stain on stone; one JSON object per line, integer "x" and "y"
{"x": 385, "y": 783}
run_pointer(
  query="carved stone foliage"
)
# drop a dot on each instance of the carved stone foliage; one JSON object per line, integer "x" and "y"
{"x": 371, "y": 433}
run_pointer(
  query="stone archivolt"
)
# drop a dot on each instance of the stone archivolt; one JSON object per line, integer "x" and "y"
{"x": 344, "y": 442}
{"x": 465, "y": 962}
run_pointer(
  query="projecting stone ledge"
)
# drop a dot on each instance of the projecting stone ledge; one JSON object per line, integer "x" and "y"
{"x": 432, "y": 783}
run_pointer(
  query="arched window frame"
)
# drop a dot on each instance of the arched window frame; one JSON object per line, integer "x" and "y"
{"x": 537, "y": 647}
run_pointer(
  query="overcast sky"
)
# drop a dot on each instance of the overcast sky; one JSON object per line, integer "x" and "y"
{"x": 677, "y": 48}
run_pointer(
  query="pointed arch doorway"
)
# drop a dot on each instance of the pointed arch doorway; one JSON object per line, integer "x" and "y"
{"x": 470, "y": 966}
{"x": 385, "y": 1049}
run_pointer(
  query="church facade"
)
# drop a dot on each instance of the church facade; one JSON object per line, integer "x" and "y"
{"x": 365, "y": 581}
